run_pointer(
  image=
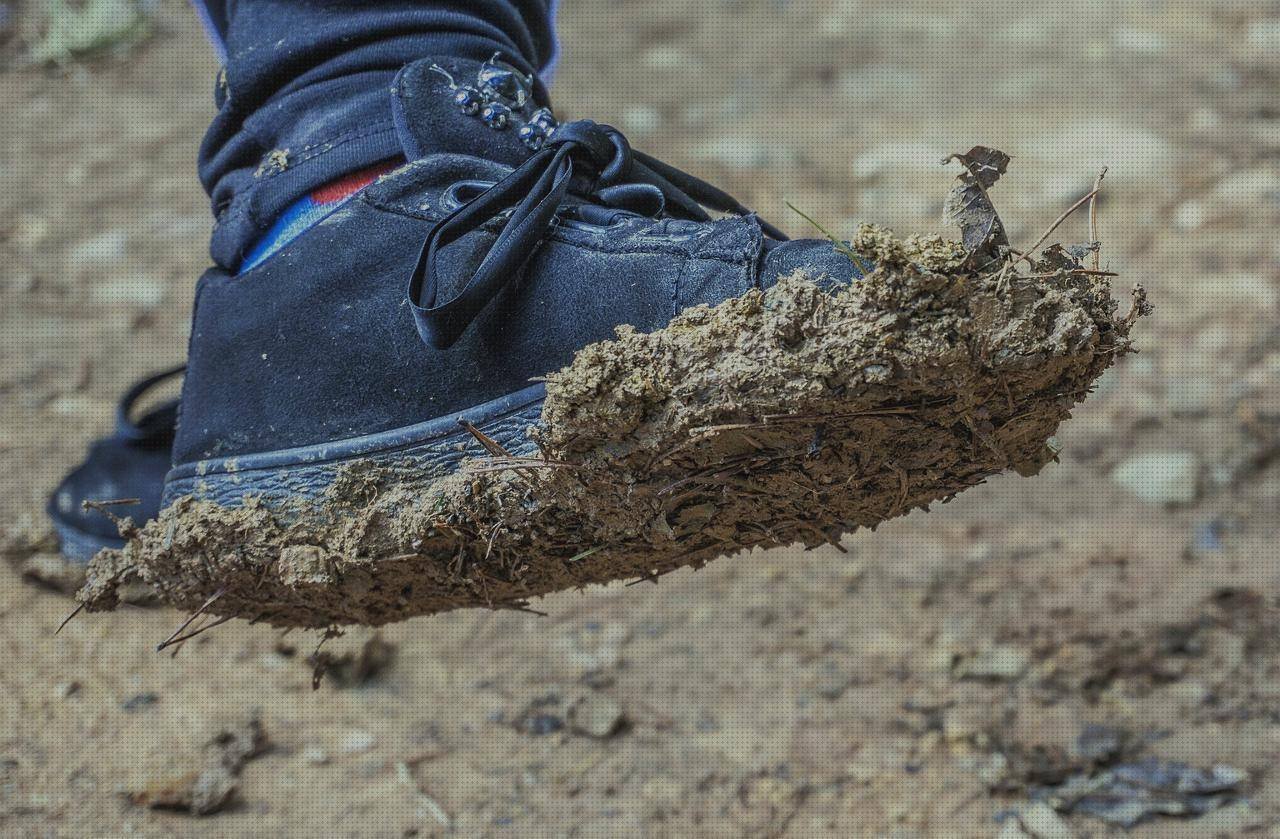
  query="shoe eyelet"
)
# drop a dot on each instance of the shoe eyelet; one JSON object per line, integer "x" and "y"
{"x": 675, "y": 230}
{"x": 578, "y": 224}
{"x": 595, "y": 219}
{"x": 463, "y": 192}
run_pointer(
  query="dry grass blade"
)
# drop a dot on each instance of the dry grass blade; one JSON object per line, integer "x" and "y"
{"x": 490, "y": 445}
{"x": 1093, "y": 216}
{"x": 101, "y": 506}
{"x": 841, "y": 247}
{"x": 77, "y": 610}
{"x": 184, "y": 638}
{"x": 197, "y": 613}
{"x": 519, "y": 464}
{"x": 588, "y": 552}
{"x": 495, "y": 450}
{"x": 1065, "y": 215}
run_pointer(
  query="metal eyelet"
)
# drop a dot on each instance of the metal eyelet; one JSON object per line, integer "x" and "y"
{"x": 468, "y": 100}
{"x": 501, "y": 97}
{"x": 463, "y": 192}
{"x": 532, "y": 135}
{"x": 496, "y": 115}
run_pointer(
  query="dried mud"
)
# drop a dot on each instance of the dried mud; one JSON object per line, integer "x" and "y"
{"x": 794, "y": 415}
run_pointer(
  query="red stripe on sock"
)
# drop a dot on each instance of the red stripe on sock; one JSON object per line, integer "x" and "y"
{"x": 349, "y": 184}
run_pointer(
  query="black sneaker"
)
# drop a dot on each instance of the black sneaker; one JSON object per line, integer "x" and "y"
{"x": 530, "y": 359}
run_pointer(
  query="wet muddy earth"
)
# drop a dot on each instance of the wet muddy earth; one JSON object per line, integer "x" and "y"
{"x": 1063, "y": 655}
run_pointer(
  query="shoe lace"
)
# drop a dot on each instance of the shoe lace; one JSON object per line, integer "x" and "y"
{"x": 584, "y": 158}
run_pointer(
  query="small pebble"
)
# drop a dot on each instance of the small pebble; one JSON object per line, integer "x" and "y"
{"x": 963, "y": 723}
{"x": 99, "y": 251}
{"x": 1170, "y": 477}
{"x": 1191, "y": 215}
{"x": 890, "y": 157}
{"x": 1208, "y": 536}
{"x": 139, "y": 701}
{"x": 667, "y": 57}
{"x": 739, "y": 153}
{"x": 1013, "y": 830}
{"x": 357, "y": 741}
{"x": 1043, "y": 823}
{"x": 1265, "y": 34}
{"x": 1193, "y": 396}
{"x": 315, "y": 756}
{"x": 994, "y": 771}
{"x": 133, "y": 290}
{"x": 832, "y": 683}
{"x": 539, "y": 725}
{"x": 1101, "y": 743}
{"x": 1142, "y": 41}
{"x": 1003, "y": 662}
{"x": 597, "y": 716}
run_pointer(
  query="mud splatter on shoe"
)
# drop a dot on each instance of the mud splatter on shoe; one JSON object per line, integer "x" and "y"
{"x": 514, "y": 367}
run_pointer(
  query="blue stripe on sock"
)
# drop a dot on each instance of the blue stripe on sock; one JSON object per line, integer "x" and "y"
{"x": 298, "y": 217}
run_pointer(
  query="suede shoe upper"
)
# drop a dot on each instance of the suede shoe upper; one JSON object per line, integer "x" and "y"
{"x": 333, "y": 336}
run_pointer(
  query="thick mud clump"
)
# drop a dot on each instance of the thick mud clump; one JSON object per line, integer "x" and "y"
{"x": 792, "y": 415}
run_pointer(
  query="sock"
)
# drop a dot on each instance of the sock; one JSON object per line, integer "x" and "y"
{"x": 310, "y": 209}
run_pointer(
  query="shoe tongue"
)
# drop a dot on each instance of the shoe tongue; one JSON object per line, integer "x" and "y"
{"x": 430, "y": 120}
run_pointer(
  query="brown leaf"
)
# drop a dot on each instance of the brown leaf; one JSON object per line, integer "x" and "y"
{"x": 969, "y": 206}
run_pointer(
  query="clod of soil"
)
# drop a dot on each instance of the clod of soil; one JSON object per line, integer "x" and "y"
{"x": 795, "y": 414}
{"x": 215, "y": 782}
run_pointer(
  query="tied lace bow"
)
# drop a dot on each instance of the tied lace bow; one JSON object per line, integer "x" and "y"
{"x": 592, "y": 161}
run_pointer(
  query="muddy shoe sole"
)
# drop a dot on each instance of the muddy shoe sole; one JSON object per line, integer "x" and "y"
{"x": 425, "y": 451}
{"x": 793, "y": 415}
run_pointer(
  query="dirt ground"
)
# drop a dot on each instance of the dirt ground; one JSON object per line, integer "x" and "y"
{"x": 930, "y": 682}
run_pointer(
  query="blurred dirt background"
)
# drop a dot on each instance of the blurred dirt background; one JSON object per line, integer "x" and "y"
{"x": 953, "y": 674}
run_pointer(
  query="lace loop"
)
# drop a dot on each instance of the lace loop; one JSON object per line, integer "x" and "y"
{"x": 609, "y": 173}
{"x": 599, "y": 147}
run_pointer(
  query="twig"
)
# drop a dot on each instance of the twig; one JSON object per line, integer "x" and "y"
{"x": 501, "y": 464}
{"x": 886, "y": 411}
{"x": 495, "y": 449}
{"x": 197, "y": 613}
{"x": 1004, "y": 273}
{"x": 490, "y": 445}
{"x": 103, "y": 507}
{"x": 321, "y": 661}
{"x": 184, "y": 638}
{"x": 1093, "y": 217}
{"x": 177, "y": 647}
{"x": 493, "y": 535}
{"x": 1086, "y": 199}
{"x": 77, "y": 610}
{"x": 1138, "y": 307}
{"x": 1087, "y": 272}
{"x": 100, "y": 506}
